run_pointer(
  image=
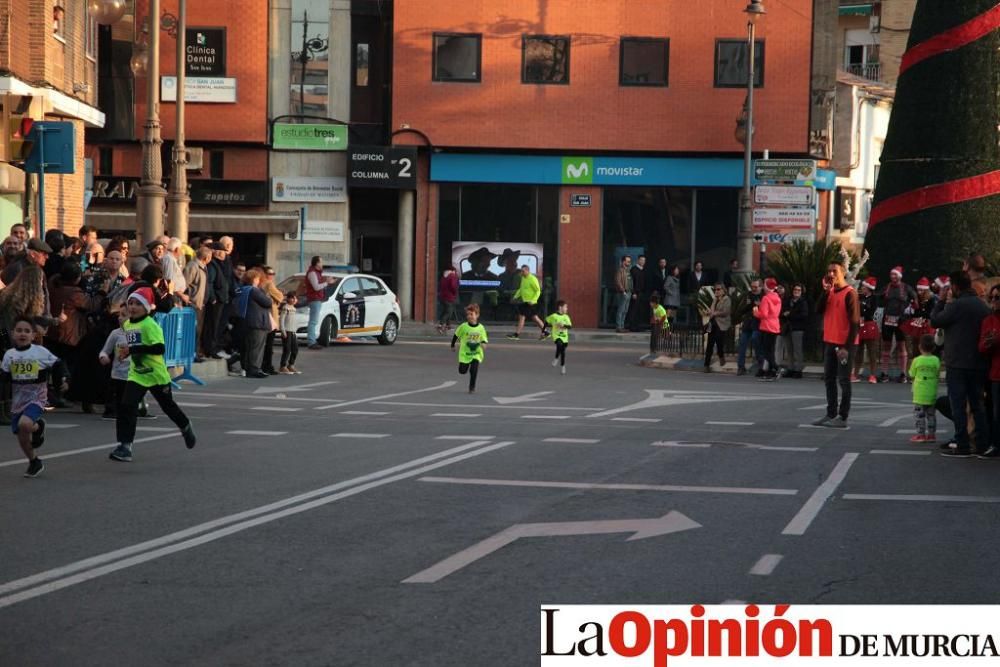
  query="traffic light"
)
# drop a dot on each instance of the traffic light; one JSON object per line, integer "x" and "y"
{"x": 17, "y": 138}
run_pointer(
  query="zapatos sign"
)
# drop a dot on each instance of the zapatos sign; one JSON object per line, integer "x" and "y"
{"x": 768, "y": 635}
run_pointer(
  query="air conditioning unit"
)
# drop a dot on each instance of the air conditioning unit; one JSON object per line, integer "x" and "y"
{"x": 874, "y": 23}
{"x": 196, "y": 159}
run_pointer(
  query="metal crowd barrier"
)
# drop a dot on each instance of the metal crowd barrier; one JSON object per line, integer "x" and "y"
{"x": 179, "y": 331}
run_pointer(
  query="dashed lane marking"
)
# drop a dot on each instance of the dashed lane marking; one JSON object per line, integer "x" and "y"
{"x": 268, "y": 408}
{"x": 186, "y": 404}
{"x": 669, "y": 488}
{"x": 256, "y": 432}
{"x": 372, "y": 399}
{"x": 457, "y": 415}
{"x": 729, "y": 423}
{"x": 921, "y": 498}
{"x": 683, "y": 445}
{"x": 361, "y": 436}
{"x": 465, "y": 437}
{"x": 365, "y": 412}
{"x": 577, "y": 441}
{"x": 647, "y": 420}
{"x": 60, "y": 426}
{"x": 801, "y": 521}
{"x": 893, "y": 420}
{"x": 765, "y": 566}
{"x": 898, "y": 452}
{"x": 545, "y": 416}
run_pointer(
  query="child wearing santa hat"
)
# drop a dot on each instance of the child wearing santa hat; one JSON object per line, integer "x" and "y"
{"x": 147, "y": 372}
{"x": 897, "y": 300}
{"x": 869, "y": 333}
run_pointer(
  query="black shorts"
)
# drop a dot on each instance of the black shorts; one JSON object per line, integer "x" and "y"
{"x": 526, "y": 310}
{"x": 888, "y": 333}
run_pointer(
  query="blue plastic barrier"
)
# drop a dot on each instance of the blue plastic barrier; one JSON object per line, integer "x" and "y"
{"x": 179, "y": 330}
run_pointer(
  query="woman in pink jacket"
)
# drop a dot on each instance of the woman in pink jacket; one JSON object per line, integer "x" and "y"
{"x": 768, "y": 312}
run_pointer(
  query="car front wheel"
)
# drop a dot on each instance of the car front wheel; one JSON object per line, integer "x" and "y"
{"x": 390, "y": 330}
{"x": 327, "y": 331}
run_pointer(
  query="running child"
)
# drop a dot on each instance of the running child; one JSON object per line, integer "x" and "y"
{"x": 27, "y": 366}
{"x": 925, "y": 371}
{"x": 147, "y": 372}
{"x": 112, "y": 353}
{"x": 289, "y": 341}
{"x": 472, "y": 336}
{"x": 659, "y": 326}
{"x": 561, "y": 324}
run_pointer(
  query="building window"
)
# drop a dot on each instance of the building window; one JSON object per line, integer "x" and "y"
{"x": 362, "y": 55}
{"x": 644, "y": 61}
{"x": 310, "y": 59}
{"x": 59, "y": 20}
{"x": 91, "y": 36}
{"x": 216, "y": 164}
{"x": 544, "y": 59}
{"x": 105, "y": 161}
{"x": 731, "y": 63}
{"x": 458, "y": 57}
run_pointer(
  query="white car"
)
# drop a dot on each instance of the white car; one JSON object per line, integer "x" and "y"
{"x": 356, "y": 305}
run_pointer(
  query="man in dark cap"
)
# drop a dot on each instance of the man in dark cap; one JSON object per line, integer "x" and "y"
{"x": 37, "y": 253}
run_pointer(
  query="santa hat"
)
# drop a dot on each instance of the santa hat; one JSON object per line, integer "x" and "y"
{"x": 870, "y": 283}
{"x": 898, "y": 270}
{"x": 144, "y": 296}
{"x": 942, "y": 281}
{"x": 923, "y": 283}
{"x": 771, "y": 284}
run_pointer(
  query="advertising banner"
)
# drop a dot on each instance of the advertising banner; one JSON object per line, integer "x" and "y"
{"x": 309, "y": 137}
{"x": 494, "y": 265}
{"x": 309, "y": 189}
{"x": 212, "y": 90}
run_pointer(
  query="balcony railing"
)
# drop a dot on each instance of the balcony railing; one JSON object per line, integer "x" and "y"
{"x": 871, "y": 71}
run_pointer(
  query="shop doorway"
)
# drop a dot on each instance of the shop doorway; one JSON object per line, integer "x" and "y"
{"x": 375, "y": 250}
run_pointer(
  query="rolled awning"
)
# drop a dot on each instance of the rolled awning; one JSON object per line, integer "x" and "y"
{"x": 268, "y": 222}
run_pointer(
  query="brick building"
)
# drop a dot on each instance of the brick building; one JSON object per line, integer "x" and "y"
{"x": 566, "y": 134}
{"x": 226, "y": 123}
{"x": 48, "y": 71}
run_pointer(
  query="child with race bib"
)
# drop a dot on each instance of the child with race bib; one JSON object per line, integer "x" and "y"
{"x": 472, "y": 338}
{"x": 561, "y": 324}
{"x": 27, "y": 368}
{"x": 144, "y": 347}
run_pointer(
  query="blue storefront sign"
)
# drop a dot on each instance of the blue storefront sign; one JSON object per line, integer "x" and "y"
{"x": 583, "y": 170}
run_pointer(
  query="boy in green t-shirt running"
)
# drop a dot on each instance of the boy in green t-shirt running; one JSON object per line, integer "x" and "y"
{"x": 472, "y": 336}
{"x": 561, "y": 324}
{"x": 144, "y": 347}
{"x": 925, "y": 371}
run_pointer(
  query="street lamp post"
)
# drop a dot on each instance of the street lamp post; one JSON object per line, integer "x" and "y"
{"x": 179, "y": 200}
{"x": 151, "y": 195}
{"x": 310, "y": 47}
{"x": 744, "y": 241}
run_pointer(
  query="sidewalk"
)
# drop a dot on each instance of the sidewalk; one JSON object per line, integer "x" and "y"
{"x": 698, "y": 365}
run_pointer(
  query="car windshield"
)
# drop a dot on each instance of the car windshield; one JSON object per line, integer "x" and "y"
{"x": 297, "y": 284}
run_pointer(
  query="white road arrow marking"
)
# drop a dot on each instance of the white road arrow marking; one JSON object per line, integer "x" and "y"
{"x": 672, "y": 522}
{"x": 526, "y": 398}
{"x": 664, "y": 398}
{"x": 298, "y": 387}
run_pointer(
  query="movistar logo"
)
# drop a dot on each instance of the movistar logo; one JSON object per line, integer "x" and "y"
{"x": 579, "y": 170}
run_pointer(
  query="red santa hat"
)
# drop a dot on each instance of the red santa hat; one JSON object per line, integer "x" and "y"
{"x": 143, "y": 296}
{"x": 942, "y": 281}
{"x": 923, "y": 284}
{"x": 870, "y": 283}
{"x": 771, "y": 284}
{"x": 898, "y": 270}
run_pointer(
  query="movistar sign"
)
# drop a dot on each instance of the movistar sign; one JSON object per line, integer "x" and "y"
{"x": 578, "y": 170}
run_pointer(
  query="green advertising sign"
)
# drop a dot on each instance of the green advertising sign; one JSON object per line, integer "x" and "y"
{"x": 578, "y": 170}
{"x": 309, "y": 137}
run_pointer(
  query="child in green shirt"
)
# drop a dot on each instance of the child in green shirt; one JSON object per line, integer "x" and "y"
{"x": 144, "y": 347}
{"x": 561, "y": 324}
{"x": 925, "y": 371}
{"x": 659, "y": 327}
{"x": 472, "y": 336}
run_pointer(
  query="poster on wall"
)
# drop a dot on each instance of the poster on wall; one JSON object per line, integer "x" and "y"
{"x": 494, "y": 265}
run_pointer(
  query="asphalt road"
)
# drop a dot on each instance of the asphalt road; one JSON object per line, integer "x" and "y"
{"x": 372, "y": 512}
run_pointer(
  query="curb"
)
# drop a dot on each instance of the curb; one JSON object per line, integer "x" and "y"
{"x": 697, "y": 366}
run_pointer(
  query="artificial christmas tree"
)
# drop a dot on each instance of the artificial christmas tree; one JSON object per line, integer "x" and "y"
{"x": 938, "y": 193}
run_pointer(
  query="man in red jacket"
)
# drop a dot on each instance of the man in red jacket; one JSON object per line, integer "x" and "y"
{"x": 841, "y": 323}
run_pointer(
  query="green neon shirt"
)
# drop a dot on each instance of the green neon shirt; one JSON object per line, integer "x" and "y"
{"x": 560, "y": 326}
{"x": 660, "y": 315}
{"x": 470, "y": 342}
{"x": 148, "y": 370}
{"x": 925, "y": 371}
{"x": 528, "y": 291}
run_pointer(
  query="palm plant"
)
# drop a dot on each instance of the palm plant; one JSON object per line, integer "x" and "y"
{"x": 805, "y": 263}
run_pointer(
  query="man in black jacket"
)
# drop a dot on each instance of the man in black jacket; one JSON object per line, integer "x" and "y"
{"x": 961, "y": 313}
{"x": 218, "y": 293}
{"x": 638, "y": 314}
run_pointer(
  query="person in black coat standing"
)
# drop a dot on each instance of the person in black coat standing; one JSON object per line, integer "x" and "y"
{"x": 218, "y": 293}
{"x": 638, "y": 316}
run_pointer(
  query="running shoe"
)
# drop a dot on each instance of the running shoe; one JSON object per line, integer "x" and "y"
{"x": 122, "y": 453}
{"x": 35, "y": 466}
